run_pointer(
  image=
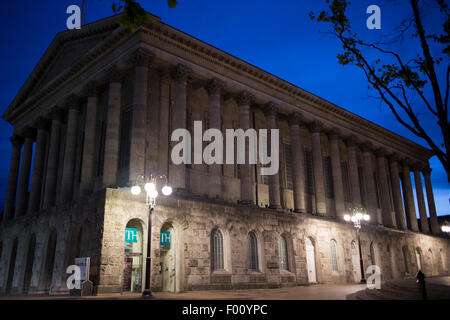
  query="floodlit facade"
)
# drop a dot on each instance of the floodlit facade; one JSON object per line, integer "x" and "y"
{"x": 98, "y": 111}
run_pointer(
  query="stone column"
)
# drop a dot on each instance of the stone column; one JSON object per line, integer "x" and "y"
{"x": 319, "y": 187}
{"x": 386, "y": 208}
{"x": 430, "y": 199}
{"x": 397, "y": 193}
{"x": 88, "y": 161}
{"x": 353, "y": 171}
{"x": 270, "y": 111}
{"x": 214, "y": 88}
{"x": 52, "y": 159}
{"x": 179, "y": 119}
{"x": 420, "y": 199}
{"x": 38, "y": 167}
{"x": 25, "y": 168}
{"x": 141, "y": 60}
{"x": 69, "y": 151}
{"x": 10, "y": 200}
{"x": 244, "y": 100}
{"x": 298, "y": 163}
{"x": 112, "y": 129}
{"x": 337, "y": 173}
{"x": 370, "y": 183}
{"x": 409, "y": 197}
{"x": 164, "y": 125}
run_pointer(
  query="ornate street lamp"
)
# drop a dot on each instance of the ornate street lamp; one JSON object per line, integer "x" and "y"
{"x": 149, "y": 184}
{"x": 357, "y": 216}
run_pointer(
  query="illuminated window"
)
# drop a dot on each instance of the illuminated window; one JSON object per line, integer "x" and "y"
{"x": 252, "y": 251}
{"x": 217, "y": 250}
{"x": 334, "y": 257}
{"x": 283, "y": 253}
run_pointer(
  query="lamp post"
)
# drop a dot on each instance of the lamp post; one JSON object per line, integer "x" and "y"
{"x": 356, "y": 218}
{"x": 149, "y": 184}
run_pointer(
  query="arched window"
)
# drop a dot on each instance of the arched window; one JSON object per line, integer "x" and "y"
{"x": 418, "y": 259}
{"x": 444, "y": 265}
{"x": 372, "y": 254}
{"x": 217, "y": 250}
{"x": 252, "y": 251}
{"x": 431, "y": 259}
{"x": 283, "y": 253}
{"x": 334, "y": 256}
{"x": 405, "y": 259}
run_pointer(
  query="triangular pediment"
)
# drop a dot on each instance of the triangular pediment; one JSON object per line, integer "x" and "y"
{"x": 66, "y": 49}
{"x": 68, "y": 54}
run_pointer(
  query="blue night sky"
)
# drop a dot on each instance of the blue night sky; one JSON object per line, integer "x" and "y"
{"x": 277, "y": 36}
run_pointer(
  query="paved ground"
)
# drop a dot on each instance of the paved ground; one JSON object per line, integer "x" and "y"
{"x": 312, "y": 292}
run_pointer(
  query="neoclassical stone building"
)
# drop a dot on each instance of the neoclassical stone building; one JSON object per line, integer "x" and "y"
{"x": 98, "y": 111}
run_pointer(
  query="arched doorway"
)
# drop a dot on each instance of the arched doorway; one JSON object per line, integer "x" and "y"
{"x": 356, "y": 263}
{"x": 49, "y": 261}
{"x": 29, "y": 263}
{"x": 419, "y": 259}
{"x": 310, "y": 260}
{"x": 168, "y": 257}
{"x": 12, "y": 266}
{"x": 132, "y": 267}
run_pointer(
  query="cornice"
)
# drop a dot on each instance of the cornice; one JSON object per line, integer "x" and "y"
{"x": 169, "y": 35}
{"x": 210, "y": 54}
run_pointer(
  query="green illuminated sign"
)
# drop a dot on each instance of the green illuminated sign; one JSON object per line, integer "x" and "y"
{"x": 131, "y": 235}
{"x": 165, "y": 238}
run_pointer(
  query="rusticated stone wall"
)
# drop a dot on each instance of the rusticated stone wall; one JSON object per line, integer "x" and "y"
{"x": 104, "y": 216}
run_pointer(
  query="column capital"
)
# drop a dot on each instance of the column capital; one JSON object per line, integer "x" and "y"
{"x": 366, "y": 146}
{"x": 270, "y": 109}
{"x": 42, "y": 123}
{"x": 244, "y": 98}
{"x": 91, "y": 90}
{"x": 316, "y": 126}
{"x": 29, "y": 133}
{"x": 142, "y": 57}
{"x": 215, "y": 86}
{"x": 335, "y": 133}
{"x": 114, "y": 74}
{"x": 72, "y": 102}
{"x": 418, "y": 166}
{"x": 181, "y": 73}
{"x": 381, "y": 152}
{"x": 16, "y": 140}
{"x": 351, "y": 141}
{"x": 426, "y": 171}
{"x": 394, "y": 157}
{"x": 165, "y": 74}
{"x": 406, "y": 163}
{"x": 295, "y": 118}
{"x": 56, "y": 113}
